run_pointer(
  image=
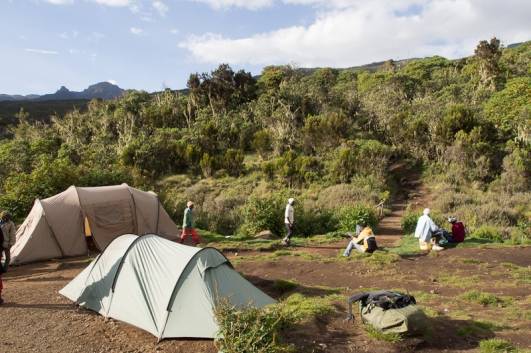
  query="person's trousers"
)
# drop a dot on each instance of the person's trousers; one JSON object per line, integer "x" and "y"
{"x": 190, "y": 232}
{"x": 351, "y": 246}
{"x": 289, "y": 228}
{"x": 7, "y": 254}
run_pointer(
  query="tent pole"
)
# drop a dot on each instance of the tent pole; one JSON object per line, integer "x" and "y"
{"x": 134, "y": 208}
{"x": 158, "y": 215}
{"x": 51, "y": 230}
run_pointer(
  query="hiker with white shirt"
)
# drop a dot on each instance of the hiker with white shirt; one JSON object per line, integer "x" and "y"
{"x": 289, "y": 220}
{"x": 425, "y": 231}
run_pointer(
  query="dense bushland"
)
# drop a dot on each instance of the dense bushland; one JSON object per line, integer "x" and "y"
{"x": 239, "y": 146}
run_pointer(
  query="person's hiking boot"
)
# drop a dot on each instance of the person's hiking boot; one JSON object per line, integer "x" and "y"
{"x": 1, "y": 301}
{"x": 437, "y": 248}
{"x": 285, "y": 242}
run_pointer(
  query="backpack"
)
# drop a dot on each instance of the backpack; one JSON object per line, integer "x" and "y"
{"x": 371, "y": 245}
{"x": 388, "y": 311}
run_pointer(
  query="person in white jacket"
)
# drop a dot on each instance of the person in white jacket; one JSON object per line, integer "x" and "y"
{"x": 289, "y": 220}
{"x": 424, "y": 231}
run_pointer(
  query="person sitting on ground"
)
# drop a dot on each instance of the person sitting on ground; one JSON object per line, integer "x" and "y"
{"x": 424, "y": 232}
{"x": 9, "y": 230}
{"x": 188, "y": 225}
{"x": 458, "y": 230}
{"x": 289, "y": 220}
{"x": 364, "y": 242}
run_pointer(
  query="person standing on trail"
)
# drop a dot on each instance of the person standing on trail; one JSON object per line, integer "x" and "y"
{"x": 9, "y": 231}
{"x": 188, "y": 225}
{"x": 364, "y": 242}
{"x": 289, "y": 220}
{"x": 424, "y": 231}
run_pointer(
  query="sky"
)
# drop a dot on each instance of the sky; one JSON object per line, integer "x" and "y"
{"x": 156, "y": 44}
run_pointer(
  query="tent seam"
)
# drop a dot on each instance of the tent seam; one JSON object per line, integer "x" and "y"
{"x": 51, "y": 230}
{"x": 172, "y": 296}
{"x": 134, "y": 207}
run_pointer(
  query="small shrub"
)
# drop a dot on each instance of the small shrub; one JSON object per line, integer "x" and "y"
{"x": 488, "y": 232}
{"x": 264, "y": 213}
{"x": 496, "y": 345}
{"x": 249, "y": 329}
{"x": 482, "y": 298}
{"x": 349, "y": 217}
{"x": 409, "y": 221}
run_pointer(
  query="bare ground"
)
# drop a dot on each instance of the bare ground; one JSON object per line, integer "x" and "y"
{"x": 35, "y": 318}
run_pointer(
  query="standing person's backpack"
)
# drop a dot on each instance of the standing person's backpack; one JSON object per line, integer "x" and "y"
{"x": 388, "y": 311}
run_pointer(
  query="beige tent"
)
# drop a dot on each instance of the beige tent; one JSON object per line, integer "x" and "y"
{"x": 57, "y": 226}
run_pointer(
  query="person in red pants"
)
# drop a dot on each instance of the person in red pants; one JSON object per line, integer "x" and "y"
{"x": 1, "y": 267}
{"x": 188, "y": 225}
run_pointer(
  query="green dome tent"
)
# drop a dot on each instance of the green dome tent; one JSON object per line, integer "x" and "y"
{"x": 165, "y": 288}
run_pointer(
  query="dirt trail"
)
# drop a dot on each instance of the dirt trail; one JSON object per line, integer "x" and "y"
{"x": 410, "y": 191}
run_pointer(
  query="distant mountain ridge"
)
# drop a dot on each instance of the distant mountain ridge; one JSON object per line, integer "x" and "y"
{"x": 102, "y": 90}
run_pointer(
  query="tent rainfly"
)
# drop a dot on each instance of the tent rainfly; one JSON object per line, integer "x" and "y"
{"x": 162, "y": 287}
{"x": 56, "y": 227}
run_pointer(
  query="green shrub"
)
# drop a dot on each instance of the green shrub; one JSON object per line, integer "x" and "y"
{"x": 249, "y": 329}
{"x": 349, "y": 217}
{"x": 409, "y": 221}
{"x": 489, "y": 233}
{"x": 496, "y": 345}
{"x": 264, "y": 213}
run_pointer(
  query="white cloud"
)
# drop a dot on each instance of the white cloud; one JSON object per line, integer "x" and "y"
{"x": 60, "y": 2}
{"x": 41, "y": 51}
{"x": 174, "y": 31}
{"x": 348, "y": 33}
{"x": 112, "y": 82}
{"x": 248, "y": 4}
{"x": 114, "y": 3}
{"x": 160, "y": 7}
{"x": 136, "y": 31}
{"x": 69, "y": 35}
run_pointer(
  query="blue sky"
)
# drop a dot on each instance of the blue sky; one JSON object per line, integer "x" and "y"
{"x": 152, "y": 44}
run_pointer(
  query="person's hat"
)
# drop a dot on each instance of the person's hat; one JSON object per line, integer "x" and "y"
{"x": 426, "y": 211}
{"x": 189, "y": 203}
{"x": 291, "y": 200}
{"x": 452, "y": 219}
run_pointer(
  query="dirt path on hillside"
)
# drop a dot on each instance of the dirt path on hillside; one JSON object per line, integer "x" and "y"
{"x": 410, "y": 191}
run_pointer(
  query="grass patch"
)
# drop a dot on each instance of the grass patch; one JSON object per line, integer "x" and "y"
{"x": 472, "y": 261}
{"x": 458, "y": 281}
{"x": 378, "y": 335}
{"x": 377, "y": 259}
{"x": 284, "y": 285}
{"x": 231, "y": 244}
{"x": 496, "y": 345}
{"x": 485, "y": 299}
{"x": 408, "y": 246}
{"x": 300, "y": 308}
{"x": 478, "y": 328}
{"x": 519, "y": 273}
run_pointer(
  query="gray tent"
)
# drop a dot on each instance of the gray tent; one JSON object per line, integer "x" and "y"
{"x": 165, "y": 288}
{"x": 57, "y": 226}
